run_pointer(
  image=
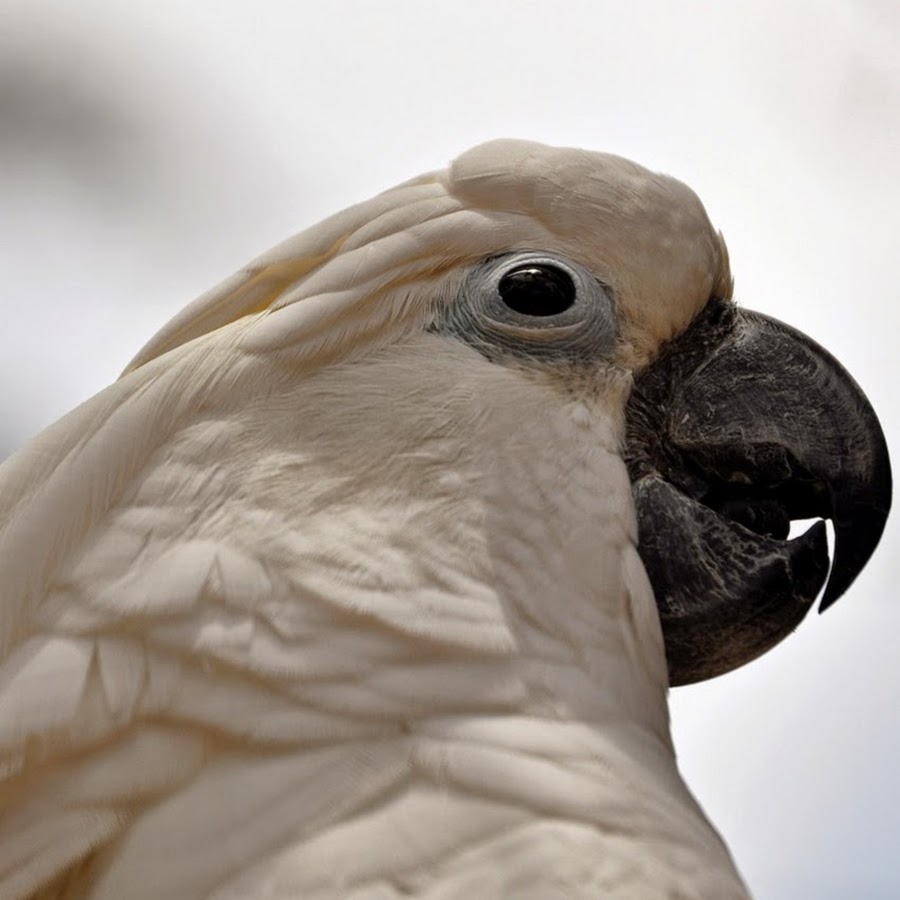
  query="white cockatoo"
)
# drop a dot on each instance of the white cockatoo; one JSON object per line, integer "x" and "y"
{"x": 369, "y": 576}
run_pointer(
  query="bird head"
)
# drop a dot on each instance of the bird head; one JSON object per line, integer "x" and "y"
{"x": 585, "y": 268}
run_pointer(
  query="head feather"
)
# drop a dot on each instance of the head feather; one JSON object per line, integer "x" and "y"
{"x": 377, "y": 270}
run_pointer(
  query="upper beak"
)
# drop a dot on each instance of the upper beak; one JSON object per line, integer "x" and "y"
{"x": 740, "y": 426}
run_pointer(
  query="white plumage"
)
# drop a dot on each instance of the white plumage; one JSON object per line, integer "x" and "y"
{"x": 318, "y": 601}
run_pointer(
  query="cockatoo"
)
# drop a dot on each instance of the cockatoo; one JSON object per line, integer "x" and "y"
{"x": 369, "y": 576}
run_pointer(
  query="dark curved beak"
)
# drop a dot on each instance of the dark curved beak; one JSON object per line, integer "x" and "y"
{"x": 740, "y": 426}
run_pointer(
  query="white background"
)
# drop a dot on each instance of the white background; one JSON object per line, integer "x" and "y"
{"x": 149, "y": 148}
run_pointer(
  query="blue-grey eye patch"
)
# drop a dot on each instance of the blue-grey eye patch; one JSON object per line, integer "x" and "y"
{"x": 532, "y": 304}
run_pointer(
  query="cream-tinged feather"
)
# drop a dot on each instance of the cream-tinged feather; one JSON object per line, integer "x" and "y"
{"x": 316, "y": 602}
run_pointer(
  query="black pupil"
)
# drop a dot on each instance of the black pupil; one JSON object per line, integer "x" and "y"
{"x": 537, "y": 290}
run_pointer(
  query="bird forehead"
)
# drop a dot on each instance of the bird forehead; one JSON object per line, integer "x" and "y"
{"x": 569, "y": 189}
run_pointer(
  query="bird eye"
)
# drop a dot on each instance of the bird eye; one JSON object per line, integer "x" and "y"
{"x": 532, "y": 304}
{"x": 536, "y": 289}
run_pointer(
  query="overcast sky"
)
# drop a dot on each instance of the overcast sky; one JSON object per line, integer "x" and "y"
{"x": 148, "y": 149}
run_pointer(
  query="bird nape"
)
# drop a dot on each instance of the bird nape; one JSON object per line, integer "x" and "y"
{"x": 369, "y": 577}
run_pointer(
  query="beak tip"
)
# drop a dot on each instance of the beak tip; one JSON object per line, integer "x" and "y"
{"x": 854, "y": 543}
{"x": 829, "y": 598}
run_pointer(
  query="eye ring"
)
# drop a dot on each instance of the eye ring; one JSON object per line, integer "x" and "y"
{"x": 533, "y": 304}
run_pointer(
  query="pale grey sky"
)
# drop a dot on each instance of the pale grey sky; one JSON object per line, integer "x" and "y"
{"x": 148, "y": 149}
